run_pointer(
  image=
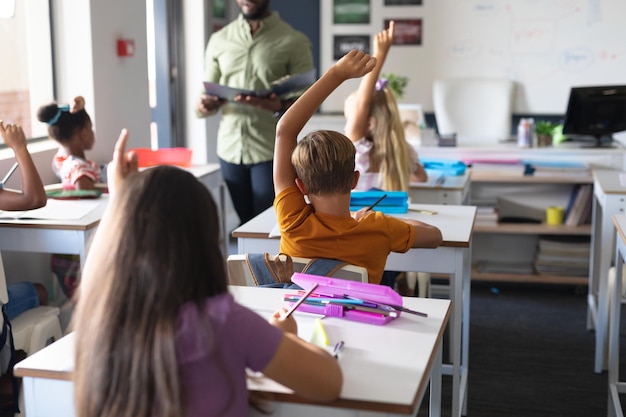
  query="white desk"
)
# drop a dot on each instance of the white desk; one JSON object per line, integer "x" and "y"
{"x": 452, "y": 257}
{"x": 609, "y": 199}
{"x": 54, "y": 236}
{"x": 454, "y": 190}
{"x": 386, "y": 368}
{"x": 615, "y": 302}
{"x": 73, "y": 236}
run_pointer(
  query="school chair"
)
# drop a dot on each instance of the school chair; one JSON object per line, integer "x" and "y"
{"x": 240, "y": 272}
{"x": 474, "y": 108}
{"x": 32, "y": 330}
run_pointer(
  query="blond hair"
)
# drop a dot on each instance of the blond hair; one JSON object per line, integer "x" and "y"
{"x": 324, "y": 162}
{"x": 390, "y": 150}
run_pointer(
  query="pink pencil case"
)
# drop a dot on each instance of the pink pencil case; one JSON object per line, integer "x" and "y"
{"x": 380, "y": 301}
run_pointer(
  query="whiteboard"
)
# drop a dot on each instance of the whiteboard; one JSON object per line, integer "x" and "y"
{"x": 545, "y": 46}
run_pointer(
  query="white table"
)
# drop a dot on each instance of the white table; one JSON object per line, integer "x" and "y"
{"x": 452, "y": 257}
{"x": 615, "y": 303}
{"x": 609, "y": 199}
{"x": 386, "y": 368}
{"x": 70, "y": 235}
{"x": 453, "y": 190}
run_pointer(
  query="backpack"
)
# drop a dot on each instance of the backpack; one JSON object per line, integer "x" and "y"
{"x": 276, "y": 271}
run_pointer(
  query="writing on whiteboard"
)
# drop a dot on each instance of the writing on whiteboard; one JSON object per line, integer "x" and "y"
{"x": 532, "y": 36}
{"x": 576, "y": 59}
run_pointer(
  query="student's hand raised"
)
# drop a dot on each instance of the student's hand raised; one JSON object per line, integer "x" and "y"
{"x": 79, "y": 104}
{"x": 354, "y": 64}
{"x": 383, "y": 41}
{"x": 13, "y": 135}
{"x": 123, "y": 164}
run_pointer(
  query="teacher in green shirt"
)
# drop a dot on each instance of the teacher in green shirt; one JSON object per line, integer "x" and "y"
{"x": 250, "y": 53}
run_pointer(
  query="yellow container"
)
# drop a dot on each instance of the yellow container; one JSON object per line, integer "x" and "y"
{"x": 554, "y": 215}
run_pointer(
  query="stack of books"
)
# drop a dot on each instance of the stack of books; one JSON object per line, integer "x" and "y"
{"x": 578, "y": 210}
{"x": 486, "y": 216}
{"x": 563, "y": 255}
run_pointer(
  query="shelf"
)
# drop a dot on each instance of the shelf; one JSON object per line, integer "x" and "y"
{"x": 535, "y": 278}
{"x": 533, "y": 229}
{"x": 529, "y": 179}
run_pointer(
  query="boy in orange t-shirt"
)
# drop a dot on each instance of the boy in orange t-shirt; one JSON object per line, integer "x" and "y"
{"x": 321, "y": 167}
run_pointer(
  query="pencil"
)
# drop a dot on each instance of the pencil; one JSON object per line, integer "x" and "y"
{"x": 11, "y": 171}
{"x": 300, "y": 301}
{"x": 376, "y": 202}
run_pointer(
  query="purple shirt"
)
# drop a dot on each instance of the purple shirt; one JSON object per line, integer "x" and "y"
{"x": 212, "y": 363}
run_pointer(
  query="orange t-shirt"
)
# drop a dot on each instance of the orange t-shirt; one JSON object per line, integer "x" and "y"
{"x": 365, "y": 243}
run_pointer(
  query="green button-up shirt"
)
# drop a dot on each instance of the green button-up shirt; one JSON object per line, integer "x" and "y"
{"x": 237, "y": 59}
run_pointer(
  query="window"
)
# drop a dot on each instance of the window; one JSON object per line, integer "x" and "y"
{"x": 27, "y": 70}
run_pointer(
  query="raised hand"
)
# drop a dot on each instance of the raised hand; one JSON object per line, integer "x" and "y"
{"x": 79, "y": 104}
{"x": 383, "y": 41}
{"x": 355, "y": 64}
{"x": 123, "y": 163}
{"x": 13, "y": 135}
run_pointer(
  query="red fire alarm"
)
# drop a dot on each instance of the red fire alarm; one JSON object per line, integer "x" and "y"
{"x": 125, "y": 47}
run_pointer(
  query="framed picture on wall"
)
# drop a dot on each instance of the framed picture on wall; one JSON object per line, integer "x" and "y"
{"x": 403, "y": 2}
{"x": 351, "y": 11}
{"x": 342, "y": 44}
{"x": 219, "y": 8}
{"x": 407, "y": 31}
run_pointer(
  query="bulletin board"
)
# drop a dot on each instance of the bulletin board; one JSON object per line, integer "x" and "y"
{"x": 545, "y": 46}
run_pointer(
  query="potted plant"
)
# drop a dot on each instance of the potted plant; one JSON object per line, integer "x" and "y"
{"x": 545, "y": 131}
{"x": 397, "y": 84}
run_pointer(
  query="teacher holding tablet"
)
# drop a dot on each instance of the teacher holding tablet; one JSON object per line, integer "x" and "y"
{"x": 252, "y": 52}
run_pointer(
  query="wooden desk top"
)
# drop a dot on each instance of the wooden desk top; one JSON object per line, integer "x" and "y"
{"x": 609, "y": 181}
{"x": 455, "y": 222}
{"x": 386, "y": 368}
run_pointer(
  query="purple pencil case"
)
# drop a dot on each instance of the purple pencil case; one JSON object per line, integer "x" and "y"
{"x": 382, "y": 296}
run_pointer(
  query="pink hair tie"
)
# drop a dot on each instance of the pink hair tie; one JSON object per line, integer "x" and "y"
{"x": 381, "y": 84}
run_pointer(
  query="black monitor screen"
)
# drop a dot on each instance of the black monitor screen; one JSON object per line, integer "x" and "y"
{"x": 596, "y": 112}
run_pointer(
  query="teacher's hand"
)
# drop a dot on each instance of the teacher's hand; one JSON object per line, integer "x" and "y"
{"x": 271, "y": 103}
{"x": 207, "y": 104}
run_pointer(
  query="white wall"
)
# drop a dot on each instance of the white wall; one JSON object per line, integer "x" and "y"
{"x": 115, "y": 90}
{"x": 545, "y": 46}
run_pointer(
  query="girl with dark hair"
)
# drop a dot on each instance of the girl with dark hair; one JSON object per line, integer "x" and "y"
{"x": 72, "y": 128}
{"x": 157, "y": 333}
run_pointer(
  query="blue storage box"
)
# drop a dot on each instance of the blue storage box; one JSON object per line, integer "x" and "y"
{"x": 444, "y": 166}
{"x": 395, "y": 202}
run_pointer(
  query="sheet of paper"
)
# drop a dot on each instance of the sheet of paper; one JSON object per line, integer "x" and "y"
{"x": 55, "y": 210}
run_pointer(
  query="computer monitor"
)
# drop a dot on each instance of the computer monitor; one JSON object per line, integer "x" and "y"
{"x": 595, "y": 113}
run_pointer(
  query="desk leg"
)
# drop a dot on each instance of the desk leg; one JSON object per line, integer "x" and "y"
{"x": 594, "y": 272}
{"x": 460, "y": 296}
{"x": 435, "y": 385}
{"x": 603, "y": 249}
{"x": 615, "y": 291}
{"x": 222, "y": 198}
